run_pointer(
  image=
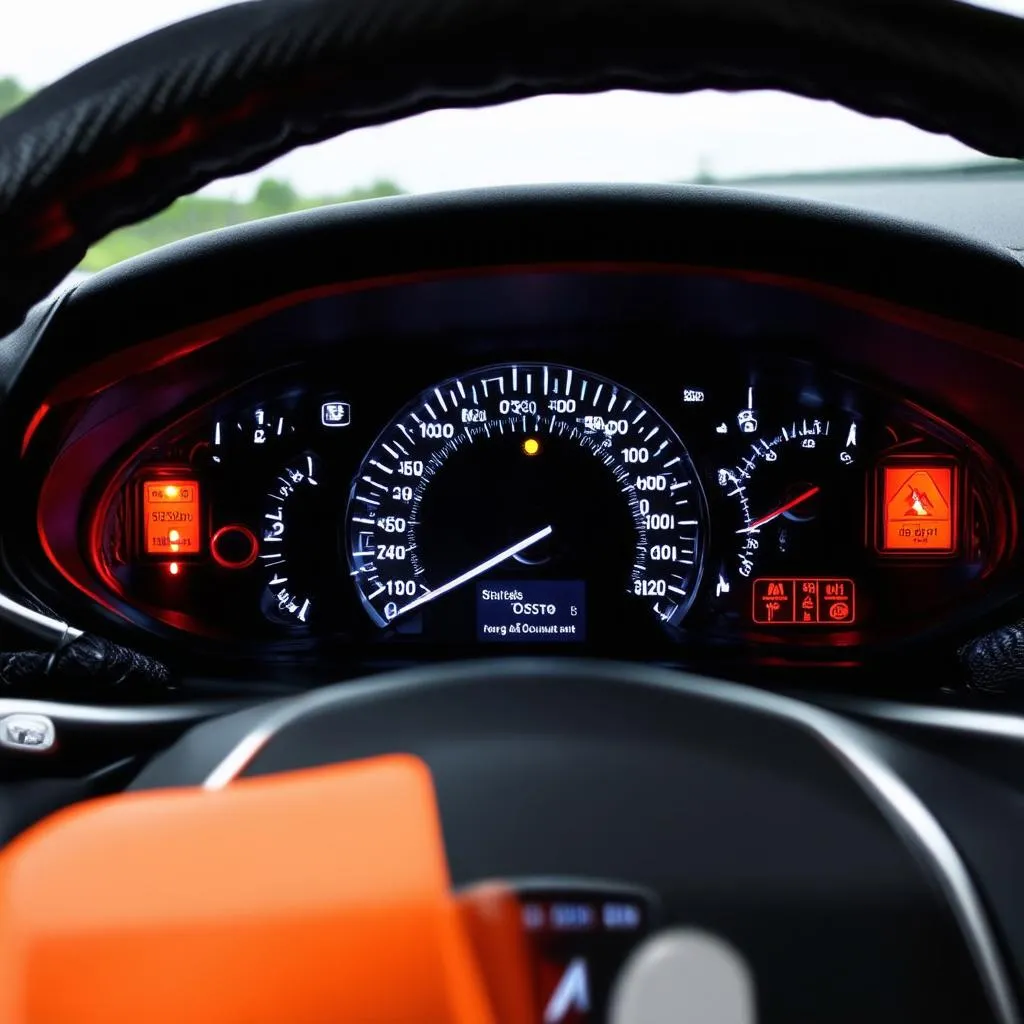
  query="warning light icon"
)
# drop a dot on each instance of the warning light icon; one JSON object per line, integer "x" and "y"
{"x": 803, "y": 601}
{"x": 918, "y": 513}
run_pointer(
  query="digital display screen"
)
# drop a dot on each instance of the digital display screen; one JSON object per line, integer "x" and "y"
{"x": 803, "y": 601}
{"x": 531, "y": 611}
{"x": 918, "y": 507}
{"x": 579, "y": 943}
{"x": 171, "y": 517}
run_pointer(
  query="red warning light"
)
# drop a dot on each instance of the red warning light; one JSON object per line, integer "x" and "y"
{"x": 801, "y": 601}
{"x": 918, "y": 512}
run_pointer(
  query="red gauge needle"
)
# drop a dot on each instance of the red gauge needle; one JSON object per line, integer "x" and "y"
{"x": 764, "y": 520}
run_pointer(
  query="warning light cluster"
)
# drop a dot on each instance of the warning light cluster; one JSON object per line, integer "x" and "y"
{"x": 803, "y": 601}
{"x": 171, "y": 517}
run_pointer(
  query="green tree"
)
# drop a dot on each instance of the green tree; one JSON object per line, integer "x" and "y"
{"x": 195, "y": 214}
{"x": 11, "y": 94}
{"x": 276, "y": 196}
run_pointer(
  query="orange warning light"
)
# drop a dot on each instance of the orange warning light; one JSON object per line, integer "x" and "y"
{"x": 918, "y": 507}
{"x": 171, "y": 517}
{"x": 805, "y": 601}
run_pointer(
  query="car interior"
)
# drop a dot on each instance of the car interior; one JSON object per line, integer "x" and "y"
{"x": 462, "y": 607}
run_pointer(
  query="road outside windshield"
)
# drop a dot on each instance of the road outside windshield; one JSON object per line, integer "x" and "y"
{"x": 760, "y": 140}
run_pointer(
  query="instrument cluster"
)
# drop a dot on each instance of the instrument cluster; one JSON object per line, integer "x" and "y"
{"x": 537, "y": 504}
{"x": 675, "y": 467}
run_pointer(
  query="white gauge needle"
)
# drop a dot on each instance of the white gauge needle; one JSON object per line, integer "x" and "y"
{"x": 477, "y": 570}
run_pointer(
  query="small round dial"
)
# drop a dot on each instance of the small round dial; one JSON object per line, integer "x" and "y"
{"x": 800, "y": 496}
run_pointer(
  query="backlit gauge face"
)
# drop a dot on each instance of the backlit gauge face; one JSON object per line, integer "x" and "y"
{"x": 528, "y": 502}
{"x": 800, "y": 493}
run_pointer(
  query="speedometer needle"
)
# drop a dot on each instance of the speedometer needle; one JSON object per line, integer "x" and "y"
{"x": 477, "y": 570}
{"x": 781, "y": 510}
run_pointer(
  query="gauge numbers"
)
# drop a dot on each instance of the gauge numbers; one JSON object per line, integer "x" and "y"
{"x": 525, "y": 472}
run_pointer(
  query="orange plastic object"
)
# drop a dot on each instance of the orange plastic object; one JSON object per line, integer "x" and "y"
{"x": 315, "y": 896}
{"x": 492, "y": 915}
{"x": 919, "y": 508}
{"x": 171, "y": 514}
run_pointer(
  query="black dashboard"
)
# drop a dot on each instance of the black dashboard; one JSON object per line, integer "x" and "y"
{"x": 717, "y": 458}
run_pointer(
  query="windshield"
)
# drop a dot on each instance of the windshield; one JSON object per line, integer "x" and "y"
{"x": 763, "y": 139}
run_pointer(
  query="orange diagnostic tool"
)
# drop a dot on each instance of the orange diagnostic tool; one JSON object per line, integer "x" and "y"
{"x": 171, "y": 517}
{"x": 799, "y": 601}
{"x": 918, "y": 511}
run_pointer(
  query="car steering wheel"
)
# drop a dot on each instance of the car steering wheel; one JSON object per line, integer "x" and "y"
{"x": 795, "y": 834}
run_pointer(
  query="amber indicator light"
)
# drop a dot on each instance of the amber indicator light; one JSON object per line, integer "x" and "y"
{"x": 803, "y": 601}
{"x": 171, "y": 517}
{"x": 918, "y": 507}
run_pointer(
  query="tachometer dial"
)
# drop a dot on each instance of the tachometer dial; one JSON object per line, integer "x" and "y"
{"x": 526, "y": 502}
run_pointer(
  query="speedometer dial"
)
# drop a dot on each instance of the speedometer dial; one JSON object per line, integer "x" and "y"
{"x": 526, "y": 502}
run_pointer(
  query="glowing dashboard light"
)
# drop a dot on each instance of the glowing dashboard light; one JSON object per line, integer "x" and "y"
{"x": 918, "y": 513}
{"x": 531, "y": 446}
{"x": 805, "y": 601}
{"x": 173, "y": 568}
{"x": 172, "y": 517}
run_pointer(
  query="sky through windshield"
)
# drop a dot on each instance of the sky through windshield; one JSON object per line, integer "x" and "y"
{"x": 614, "y": 137}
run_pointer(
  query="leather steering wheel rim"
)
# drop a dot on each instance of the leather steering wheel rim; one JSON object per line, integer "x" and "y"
{"x": 223, "y": 93}
{"x": 775, "y": 824}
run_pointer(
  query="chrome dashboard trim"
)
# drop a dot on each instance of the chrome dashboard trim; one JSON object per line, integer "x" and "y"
{"x": 50, "y": 630}
{"x": 118, "y": 717}
{"x": 989, "y": 724}
{"x": 903, "y": 808}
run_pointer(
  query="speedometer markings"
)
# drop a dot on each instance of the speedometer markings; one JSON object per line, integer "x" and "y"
{"x": 644, "y": 468}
